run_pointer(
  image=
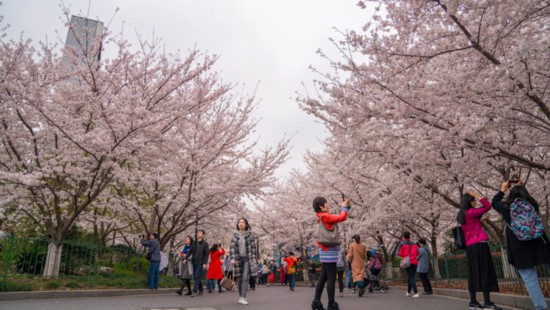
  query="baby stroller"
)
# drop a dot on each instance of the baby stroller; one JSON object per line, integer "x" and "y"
{"x": 374, "y": 283}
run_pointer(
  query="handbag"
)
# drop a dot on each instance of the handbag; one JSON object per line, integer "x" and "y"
{"x": 458, "y": 235}
{"x": 328, "y": 237}
{"x": 406, "y": 261}
{"x": 228, "y": 283}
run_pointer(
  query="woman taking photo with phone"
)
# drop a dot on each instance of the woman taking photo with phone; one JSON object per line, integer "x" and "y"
{"x": 327, "y": 254}
{"x": 481, "y": 271}
{"x": 525, "y": 255}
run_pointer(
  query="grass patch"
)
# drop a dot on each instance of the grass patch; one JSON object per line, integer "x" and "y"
{"x": 72, "y": 284}
{"x": 134, "y": 280}
{"x": 9, "y": 286}
{"x": 53, "y": 285}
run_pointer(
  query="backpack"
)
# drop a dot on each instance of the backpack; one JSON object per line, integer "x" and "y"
{"x": 525, "y": 223}
{"x": 292, "y": 266}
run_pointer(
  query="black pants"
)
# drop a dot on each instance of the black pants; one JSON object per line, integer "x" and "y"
{"x": 328, "y": 276}
{"x": 410, "y": 278}
{"x": 184, "y": 283}
{"x": 340, "y": 276}
{"x": 252, "y": 282}
{"x": 425, "y": 282}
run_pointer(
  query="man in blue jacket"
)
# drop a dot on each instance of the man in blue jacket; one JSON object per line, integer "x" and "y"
{"x": 154, "y": 253}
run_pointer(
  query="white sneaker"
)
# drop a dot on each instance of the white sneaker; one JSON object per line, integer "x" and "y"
{"x": 240, "y": 300}
{"x": 244, "y": 302}
{"x": 407, "y": 293}
{"x": 416, "y": 295}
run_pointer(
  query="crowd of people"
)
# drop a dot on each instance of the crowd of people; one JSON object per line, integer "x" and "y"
{"x": 361, "y": 268}
{"x": 240, "y": 264}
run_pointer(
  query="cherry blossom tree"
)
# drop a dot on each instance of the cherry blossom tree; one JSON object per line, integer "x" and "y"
{"x": 432, "y": 99}
{"x": 145, "y": 124}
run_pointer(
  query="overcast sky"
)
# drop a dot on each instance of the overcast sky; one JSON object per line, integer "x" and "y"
{"x": 267, "y": 42}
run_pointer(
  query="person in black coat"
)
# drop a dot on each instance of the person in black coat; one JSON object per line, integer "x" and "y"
{"x": 199, "y": 250}
{"x": 524, "y": 255}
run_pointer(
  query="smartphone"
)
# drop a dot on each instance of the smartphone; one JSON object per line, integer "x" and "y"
{"x": 514, "y": 180}
{"x": 343, "y": 197}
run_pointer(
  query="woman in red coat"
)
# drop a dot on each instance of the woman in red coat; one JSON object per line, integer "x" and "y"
{"x": 215, "y": 272}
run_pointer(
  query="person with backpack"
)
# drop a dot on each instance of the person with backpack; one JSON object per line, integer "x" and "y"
{"x": 527, "y": 243}
{"x": 481, "y": 271}
{"x": 328, "y": 254}
{"x": 291, "y": 265}
{"x": 408, "y": 251}
{"x": 424, "y": 266}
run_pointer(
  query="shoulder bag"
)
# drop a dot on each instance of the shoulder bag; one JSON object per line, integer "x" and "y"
{"x": 328, "y": 237}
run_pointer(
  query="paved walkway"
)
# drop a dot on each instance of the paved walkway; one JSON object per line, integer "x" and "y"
{"x": 263, "y": 298}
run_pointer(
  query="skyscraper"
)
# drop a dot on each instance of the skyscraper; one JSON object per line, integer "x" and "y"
{"x": 83, "y": 41}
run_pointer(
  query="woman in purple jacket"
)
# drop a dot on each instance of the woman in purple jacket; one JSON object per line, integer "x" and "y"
{"x": 481, "y": 271}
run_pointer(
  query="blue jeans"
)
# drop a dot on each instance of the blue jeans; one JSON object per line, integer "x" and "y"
{"x": 210, "y": 285}
{"x": 348, "y": 278}
{"x": 529, "y": 276}
{"x": 197, "y": 275}
{"x": 292, "y": 280}
{"x": 153, "y": 277}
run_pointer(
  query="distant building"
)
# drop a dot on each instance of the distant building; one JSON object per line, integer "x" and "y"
{"x": 83, "y": 40}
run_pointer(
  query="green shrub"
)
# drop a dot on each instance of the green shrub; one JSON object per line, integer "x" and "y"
{"x": 72, "y": 284}
{"x": 96, "y": 280}
{"x": 122, "y": 271}
{"x": 136, "y": 264}
{"x": 15, "y": 286}
{"x": 103, "y": 262}
{"x": 53, "y": 285}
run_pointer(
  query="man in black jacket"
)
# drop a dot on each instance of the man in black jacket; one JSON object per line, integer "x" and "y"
{"x": 200, "y": 258}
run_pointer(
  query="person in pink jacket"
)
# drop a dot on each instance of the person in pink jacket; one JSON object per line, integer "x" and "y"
{"x": 407, "y": 248}
{"x": 481, "y": 271}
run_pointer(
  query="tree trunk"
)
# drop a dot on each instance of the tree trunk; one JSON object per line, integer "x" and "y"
{"x": 53, "y": 260}
{"x": 437, "y": 271}
{"x": 389, "y": 271}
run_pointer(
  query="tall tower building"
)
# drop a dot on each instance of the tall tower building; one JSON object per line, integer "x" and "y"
{"x": 84, "y": 40}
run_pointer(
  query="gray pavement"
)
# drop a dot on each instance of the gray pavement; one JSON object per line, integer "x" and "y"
{"x": 263, "y": 298}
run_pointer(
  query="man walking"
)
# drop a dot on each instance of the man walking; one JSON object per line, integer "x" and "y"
{"x": 199, "y": 250}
